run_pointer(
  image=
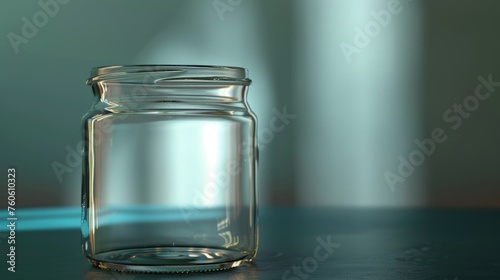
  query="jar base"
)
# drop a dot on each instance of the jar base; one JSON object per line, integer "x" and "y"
{"x": 169, "y": 259}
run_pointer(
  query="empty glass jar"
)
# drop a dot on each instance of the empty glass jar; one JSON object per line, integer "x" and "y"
{"x": 169, "y": 169}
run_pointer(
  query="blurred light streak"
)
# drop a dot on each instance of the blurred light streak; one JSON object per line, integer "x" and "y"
{"x": 355, "y": 117}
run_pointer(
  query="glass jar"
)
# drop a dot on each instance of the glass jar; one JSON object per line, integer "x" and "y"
{"x": 169, "y": 169}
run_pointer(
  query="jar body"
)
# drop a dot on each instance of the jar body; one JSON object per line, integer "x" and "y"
{"x": 169, "y": 187}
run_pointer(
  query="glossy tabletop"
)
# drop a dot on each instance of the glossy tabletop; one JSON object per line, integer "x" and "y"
{"x": 310, "y": 243}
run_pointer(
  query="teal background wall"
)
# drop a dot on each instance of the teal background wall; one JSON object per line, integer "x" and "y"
{"x": 354, "y": 115}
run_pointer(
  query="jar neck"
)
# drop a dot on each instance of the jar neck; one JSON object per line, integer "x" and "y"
{"x": 140, "y": 96}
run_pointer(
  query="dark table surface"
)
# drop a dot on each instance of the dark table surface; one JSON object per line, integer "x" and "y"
{"x": 312, "y": 243}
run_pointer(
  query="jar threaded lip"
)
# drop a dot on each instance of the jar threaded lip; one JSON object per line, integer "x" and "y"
{"x": 169, "y": 74}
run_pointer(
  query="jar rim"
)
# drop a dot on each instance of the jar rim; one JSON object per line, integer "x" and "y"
{"x": 169, "y": 74}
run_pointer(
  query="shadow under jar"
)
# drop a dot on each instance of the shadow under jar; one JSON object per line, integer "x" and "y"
{"x": 169, "y": 169}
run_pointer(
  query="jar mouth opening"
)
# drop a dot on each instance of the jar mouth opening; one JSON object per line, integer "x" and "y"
{"x": 158, "y": 74}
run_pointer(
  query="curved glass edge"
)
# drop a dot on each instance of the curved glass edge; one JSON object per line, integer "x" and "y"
{"x": 167, "y": 74}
